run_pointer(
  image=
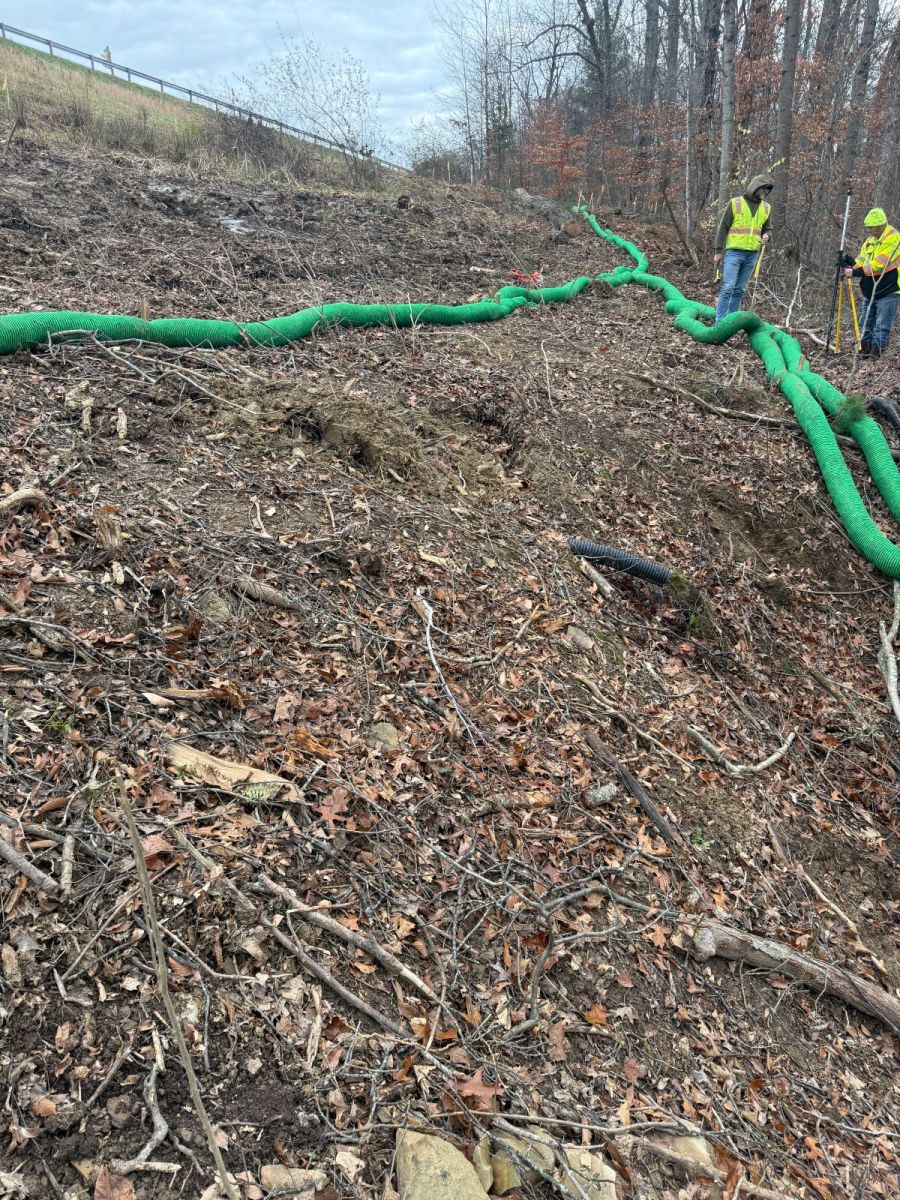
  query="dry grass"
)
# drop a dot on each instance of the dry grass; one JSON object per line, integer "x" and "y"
{"x": 53, "y": 98}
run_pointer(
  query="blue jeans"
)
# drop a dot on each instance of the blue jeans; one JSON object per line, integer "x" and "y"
{"x": 736, "y": 271}
{"x": 879, "y": 320}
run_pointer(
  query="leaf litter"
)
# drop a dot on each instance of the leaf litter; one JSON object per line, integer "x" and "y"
{"x": 535, "y": 902}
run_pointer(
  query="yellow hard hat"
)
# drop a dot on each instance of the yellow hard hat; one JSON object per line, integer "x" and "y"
{"x": 875, "y": 216}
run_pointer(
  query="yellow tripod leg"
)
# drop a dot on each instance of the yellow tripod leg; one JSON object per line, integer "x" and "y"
{"x": 852, "y": 299}
{"x": 837, "y": 322}
{"x": 759, "y": 259}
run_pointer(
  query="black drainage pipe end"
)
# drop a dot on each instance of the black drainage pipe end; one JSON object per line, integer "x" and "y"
{"x": 621, "y": 560}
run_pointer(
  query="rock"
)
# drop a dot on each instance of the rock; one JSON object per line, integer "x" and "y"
{"x": 214, "y": 606}
{"x": 591, "y": 1175}
{"x": 481, "y": 1161}
{"x": 518, "y": 1159}
{"x": 698, "y": 1149}
{"x": 579, "y": 639}
{"x": 303, "y": 1183}
{"x": 428, "y": 1168}
{"x": 120, "y": 1109}
{"x": 383, "y": 736}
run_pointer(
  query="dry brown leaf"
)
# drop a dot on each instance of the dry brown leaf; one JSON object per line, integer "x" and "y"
{"x": 632, "y": 1070}
{"x": 349, "y": 1165}
{"x": 113, "y": 1187}
{"x": 152, "y": 847}
{"x": 252, "y": 784}
{"x": 559, "y": 1043}
{"x": 595, "y": 1015}
{"x": 478, "y": 1089}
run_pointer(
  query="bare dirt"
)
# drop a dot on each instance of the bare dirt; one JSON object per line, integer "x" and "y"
{"x": 446, "y": 803}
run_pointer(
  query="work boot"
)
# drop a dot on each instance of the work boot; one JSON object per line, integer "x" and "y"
{"x": 865, "y": 349}
{"x": 875, "y": 351}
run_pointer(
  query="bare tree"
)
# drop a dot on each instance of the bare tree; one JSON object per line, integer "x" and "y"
{"x": 887, "y": 183}
{"x": 853, "y": 136}
{"x": 651, "y": 52}
{"x": 784, "y": 128}
{"x": 729, "y": 50}
{"x": 331, "y": 98}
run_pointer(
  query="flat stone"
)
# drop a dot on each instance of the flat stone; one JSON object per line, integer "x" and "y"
{"x": 481, "y": 1161}
{"x": 383, "y": 736}
{"x": 579, "y": 639}
{"x": 428, "y": 1168}
{"x": 276, "y": 1177}
{"x": 698, "y": 1149}
{"x": 591, "y": 1172}
{"x": 518, "y": 1160}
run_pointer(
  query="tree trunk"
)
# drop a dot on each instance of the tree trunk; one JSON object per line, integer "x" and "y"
{"x": 855, "y": 121}
{"x": 596, "y": 54}
{"x": 785, "y": 124}
{"x": 887, "y": 184}
{"x": 673, "y": 35}
{"x": 729, "y": 47}
{"x": 651, "y": 52}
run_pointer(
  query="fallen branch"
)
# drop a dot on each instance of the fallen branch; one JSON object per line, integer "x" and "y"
{"x": 636, "y": 729}
{"x": 695, "y": 1169}
{"x": 35, "y": 874}
{"x": 637, "y": 790}
{"x": 25, "y": 497}
{"x": 162, "y": 976}
{"x": 706, "y": 938}
{"x": 426, "y": 612}
{"x": 68, "y": 865}
{"x": 738, "y": 414}
{"x": 534, "y": 1016}
{"x": 264, "y": 593}
{"x": 289, "y": 943}
{"x": 691, "y": 252}
{"x": 851, "y": 925}
{"x": 603, "y": 587}
{"x": 734, "y": 768}
{"x": 720, "y": 410}
{"x": 140, "y": 1162}
{"x": 367, "y": 944}
{"x": 887, "y": 657}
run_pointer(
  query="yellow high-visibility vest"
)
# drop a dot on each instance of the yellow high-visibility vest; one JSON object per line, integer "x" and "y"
{"x": 880, "y": 254}
{"x": 746, "y": 225}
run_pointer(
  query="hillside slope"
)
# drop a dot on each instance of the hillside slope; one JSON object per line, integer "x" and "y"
{"x": 345, "y": 563}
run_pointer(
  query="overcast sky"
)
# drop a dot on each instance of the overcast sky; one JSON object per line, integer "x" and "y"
{"x": 201, "y": 43}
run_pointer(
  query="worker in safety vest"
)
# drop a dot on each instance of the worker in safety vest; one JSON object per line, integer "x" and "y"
{"x": 743, "y": 231}
{"x": 876, "y": 268}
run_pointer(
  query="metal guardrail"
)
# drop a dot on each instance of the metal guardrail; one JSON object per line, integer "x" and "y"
{"x": 100, "y": 63}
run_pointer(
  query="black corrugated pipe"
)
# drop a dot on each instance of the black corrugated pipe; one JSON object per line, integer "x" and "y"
{"x": 621, "y": 560}
{"x": 887, "y": 408}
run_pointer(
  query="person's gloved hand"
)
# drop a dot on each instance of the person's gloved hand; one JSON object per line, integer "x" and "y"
{"x": 847, "y": 272}
{"x": 765, "y": 239}
{"x": 717, "y": 258}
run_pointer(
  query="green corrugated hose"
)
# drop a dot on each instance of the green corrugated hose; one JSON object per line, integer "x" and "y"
{"x": 811, "y": 395}
{"x": 19, "y": 330}
{"x": 812, "y": 398}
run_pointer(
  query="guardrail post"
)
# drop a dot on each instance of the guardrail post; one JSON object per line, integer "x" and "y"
{"x": 50, "y": 47}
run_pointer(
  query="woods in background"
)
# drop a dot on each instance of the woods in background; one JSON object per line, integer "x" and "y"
{"x": 671, "y": 106}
